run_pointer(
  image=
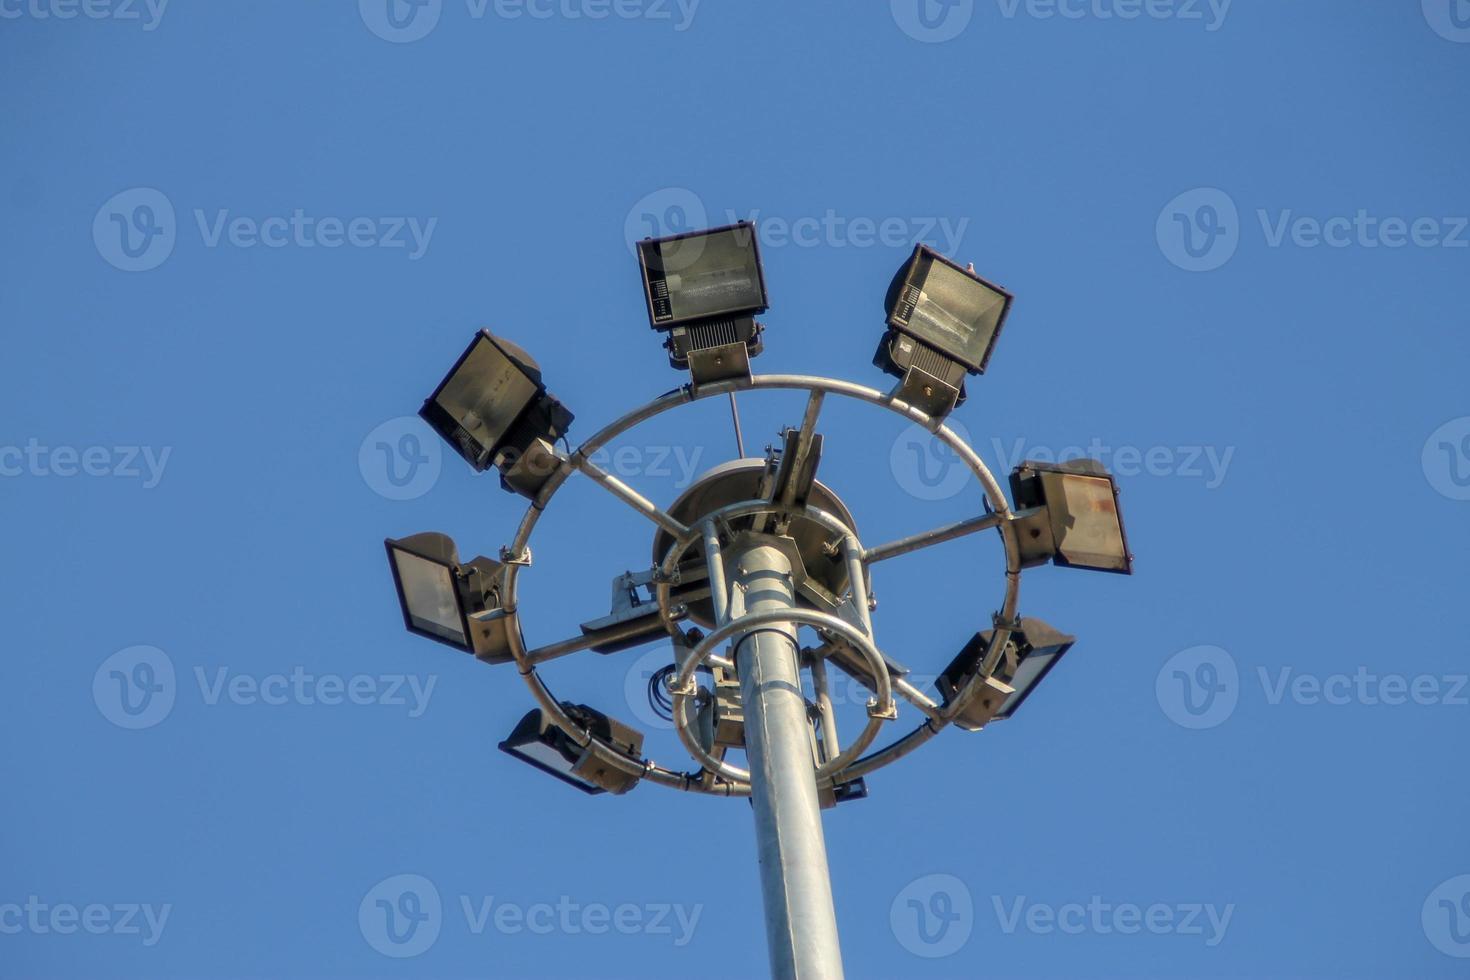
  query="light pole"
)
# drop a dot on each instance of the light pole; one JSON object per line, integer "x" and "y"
{"x": 801, "y": 924}
{"x": 753, "y": 552}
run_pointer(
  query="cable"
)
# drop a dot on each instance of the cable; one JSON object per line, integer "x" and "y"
{"x": 658, "y": 692}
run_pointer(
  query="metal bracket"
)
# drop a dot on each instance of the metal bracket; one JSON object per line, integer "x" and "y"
{"x": 874, "y": 712}
{"x": 933, "y": 396}
{"x": 509, "y": 557}
{"x": 719, "y": 363}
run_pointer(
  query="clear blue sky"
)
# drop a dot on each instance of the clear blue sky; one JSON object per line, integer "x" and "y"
{"x": 189, "y": 430}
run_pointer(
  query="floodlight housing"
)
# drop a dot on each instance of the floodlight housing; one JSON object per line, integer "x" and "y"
{"x": 1080, "y": 524}
{"x": 943, "y": 321}
{"x": 1031, "y": 653}
{"x": 704, "y": 289}
{"x": 494, "y": 409}
{"x": 538, "y": 741}
{"x": 452, "y": 603}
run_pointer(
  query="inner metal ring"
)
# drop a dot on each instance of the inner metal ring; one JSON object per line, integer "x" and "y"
{"x": 681, "y": 686}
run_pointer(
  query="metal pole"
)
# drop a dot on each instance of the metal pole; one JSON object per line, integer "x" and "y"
{"x": 801, "y": 924}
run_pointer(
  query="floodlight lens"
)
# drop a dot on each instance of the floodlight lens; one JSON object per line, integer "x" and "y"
{"x": 952, "y": 309}
{"x": 703, "y": 275}
{"x": 484, "y": 396}
{"x": 430, "y": 597}
{"x": 1028, "y": 674}
{"x": 948, "y": 308}
{"x": 1092, "y": 535}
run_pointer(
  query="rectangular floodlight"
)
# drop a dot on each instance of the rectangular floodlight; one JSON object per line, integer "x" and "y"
{"x": 442, "y": 600}
{"x": 1083, "y": 525}
{"x": 538, "y": 741}
{"x": 428, "y": 591}
{"x": 703, "y": 275}
{"x": 1032, "y": 652}
{"x": 948, "y": 308}
{"x": 1037, "y": 647}
{"x": 493, "y": 404}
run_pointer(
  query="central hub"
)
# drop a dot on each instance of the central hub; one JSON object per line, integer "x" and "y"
{"x": 820, "y": 573}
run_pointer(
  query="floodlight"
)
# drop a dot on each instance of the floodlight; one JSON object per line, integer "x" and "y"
{"x": 943, "y": 321}
{"x": 494, "y": 410}
{"x": 1080, "y": 525}
{"x": 441, "y": 599}
{"x": 1030, "y": 654}
{"x": 540, "y": 742}
{"x": 704, "y": 289}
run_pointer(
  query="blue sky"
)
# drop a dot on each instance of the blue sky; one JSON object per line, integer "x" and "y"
{"x": 244, "y": 241}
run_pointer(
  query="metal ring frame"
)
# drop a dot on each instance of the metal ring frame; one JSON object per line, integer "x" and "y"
{"x": 682, "y": 686}
{"x": 734, "y": 781}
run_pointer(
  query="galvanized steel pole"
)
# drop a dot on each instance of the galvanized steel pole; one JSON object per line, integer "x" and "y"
{"x": 801, "y": 924}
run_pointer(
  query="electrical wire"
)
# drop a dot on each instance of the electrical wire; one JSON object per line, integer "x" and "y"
{"x": 658, "y": 692}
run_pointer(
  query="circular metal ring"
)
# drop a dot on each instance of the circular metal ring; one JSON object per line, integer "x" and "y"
{"x": 680, "y": 687}
{"x": 686, "y": 395}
